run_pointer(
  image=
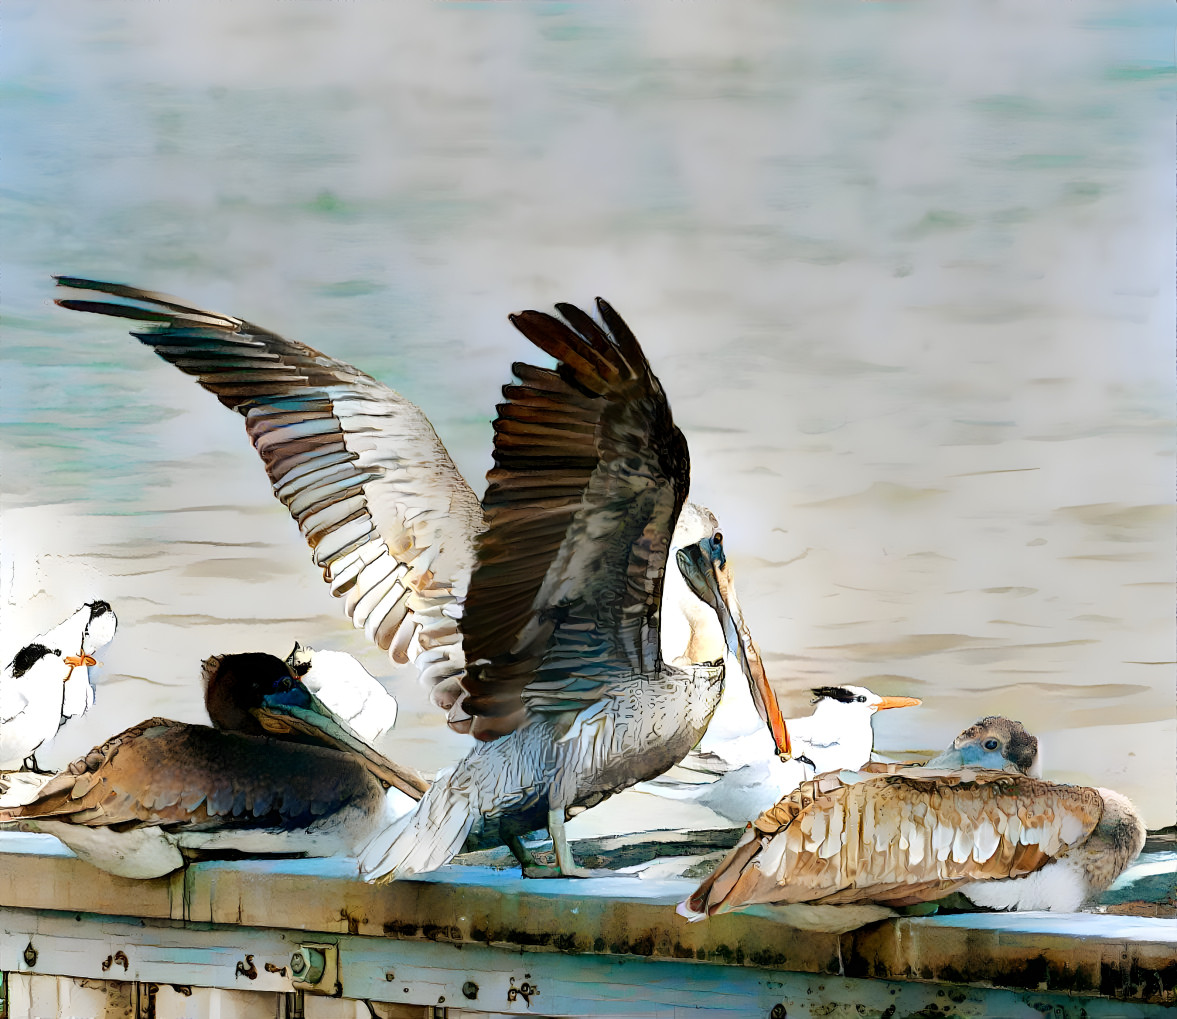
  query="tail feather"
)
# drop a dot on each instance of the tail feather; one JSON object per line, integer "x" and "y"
{"x": 426, "y": 838}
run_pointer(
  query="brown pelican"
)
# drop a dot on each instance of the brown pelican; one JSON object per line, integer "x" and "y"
{"x": 972, "y": 819}
{"x": 737, "y": 774}
{"x": 565, "y": 680}
{"x": 388, "y": 516}
{"x": 255, "y": 782}
{"x": 48, "y": 682}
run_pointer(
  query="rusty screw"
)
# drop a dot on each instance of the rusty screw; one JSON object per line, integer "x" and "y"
{"x": 470, "y": 990}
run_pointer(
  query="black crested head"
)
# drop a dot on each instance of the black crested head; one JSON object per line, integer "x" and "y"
{"x": 832, "y": 693}
{"x": 98, "y": 608}
{"x": 28, "y": 656}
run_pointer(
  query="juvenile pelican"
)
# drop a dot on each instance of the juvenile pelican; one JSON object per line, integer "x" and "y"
{"x": 256, "y": 782}
{"x": 740, "y": 775}
{"x": 48, "y": 682}
{"x": 970, "y": 819}
{"x": 389, "y": 518}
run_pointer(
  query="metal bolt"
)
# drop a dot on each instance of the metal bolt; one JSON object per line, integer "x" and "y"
{"x": 778, "y": 1012}
{"x": 30, "y": 955}
{"x": 390, "y": 976}
{"x": 308, "y": 964}
{"x": 470, "y": 990}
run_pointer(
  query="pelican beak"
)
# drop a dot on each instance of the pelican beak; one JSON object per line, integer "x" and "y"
{"x": 299, "y": 710}
{"x": 948, "y": 760}
{"x": 705, "y": 568}
{"x": 898, "y": 702}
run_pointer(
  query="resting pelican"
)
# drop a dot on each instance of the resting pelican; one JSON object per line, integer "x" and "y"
{"x": 739, "y": 776}
{"x": 388, "y": 516}
{"x": 48, "y": 682}
{"x": 138, "y": 803}
{"x": 971, "y": 819}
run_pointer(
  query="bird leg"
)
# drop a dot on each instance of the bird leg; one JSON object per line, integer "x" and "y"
{"x": 527, "y": 860}
{"x": 565, "y": 864}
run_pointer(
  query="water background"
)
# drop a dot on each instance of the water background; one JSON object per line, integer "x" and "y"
{"x": 905, "y": 270}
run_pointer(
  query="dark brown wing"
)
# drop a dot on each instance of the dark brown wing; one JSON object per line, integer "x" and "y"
{"x": 388, "y": 516}
{"x": 590, "y": 475}
{"x": 181, "y": 776}
{"x": 907, "y": 837}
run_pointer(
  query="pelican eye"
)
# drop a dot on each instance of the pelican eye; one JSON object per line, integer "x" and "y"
{"x": 991, "y": 744}
{"x": 860, "y": 699}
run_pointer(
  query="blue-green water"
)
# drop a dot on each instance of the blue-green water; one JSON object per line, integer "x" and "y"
{"x": 905, "y": 271}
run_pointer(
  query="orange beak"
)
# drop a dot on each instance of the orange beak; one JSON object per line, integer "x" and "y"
{"x": 898, "y": 702}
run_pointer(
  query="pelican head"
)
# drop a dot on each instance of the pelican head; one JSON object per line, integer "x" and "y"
{"x": 705, "y": 569}
{"x": 258, "y": 694}
{"x": 997, "y": 743}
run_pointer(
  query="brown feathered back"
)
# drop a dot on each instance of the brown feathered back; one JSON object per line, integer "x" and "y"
{"x": 906, "y": 835}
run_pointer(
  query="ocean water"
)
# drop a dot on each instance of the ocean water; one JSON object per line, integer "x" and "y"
{"x": 905, "y": 272}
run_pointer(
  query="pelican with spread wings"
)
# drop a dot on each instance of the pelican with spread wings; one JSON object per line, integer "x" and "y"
{"x": 542, "y": 637}
{"x": 388, "y": 516}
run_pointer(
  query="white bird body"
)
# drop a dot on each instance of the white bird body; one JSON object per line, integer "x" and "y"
{"x": 739, "y": 775}
{"x": 48, "y": 682}
{"x": 347, "y": 690}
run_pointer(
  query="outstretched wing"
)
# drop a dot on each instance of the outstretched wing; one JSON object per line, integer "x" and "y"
{"x": 388, "y": 517}
{"x": 590, "y": 475}
{"x": 911, "y": 836}
{"x": 181, "y": 776}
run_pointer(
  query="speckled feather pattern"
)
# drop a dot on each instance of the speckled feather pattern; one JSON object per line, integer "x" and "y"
{"x": 898, "y": 838}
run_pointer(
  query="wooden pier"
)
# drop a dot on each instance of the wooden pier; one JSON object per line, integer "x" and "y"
{"x": 245, "y": 939}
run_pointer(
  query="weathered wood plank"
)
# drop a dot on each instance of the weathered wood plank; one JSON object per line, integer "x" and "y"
{"x": 619, "y": 921}
{"x": 474, "y": 979}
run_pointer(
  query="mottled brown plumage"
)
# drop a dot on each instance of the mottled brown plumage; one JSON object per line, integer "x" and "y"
{"x": 192, "y": 777}
{"x": 895, "y": 835}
